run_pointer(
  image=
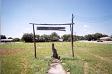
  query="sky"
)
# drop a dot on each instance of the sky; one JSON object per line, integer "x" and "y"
{"x": 90, "y": 16}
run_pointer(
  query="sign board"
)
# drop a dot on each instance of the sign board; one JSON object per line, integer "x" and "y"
{"x": 51, "y": 28}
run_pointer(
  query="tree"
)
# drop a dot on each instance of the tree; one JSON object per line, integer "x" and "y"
{"x": 16, "y": 40}
{"x": 37, "y": 37}
{"x": 98, "y": 35}
{"x": 111, "y": 36}
{"x": 10, "y": 38}
{"x": 89, "y": 37}
{"x": 41, "y": 39}
{"x": 47, "y": 38}
{"x": 2, "y": 37}
{"x": 54, "y": 36}
{"x": 104, "y": 35}
{"x": 76, "y": 38}
{"x": 27, "y": 37}
{"x": 95, "y": 36}
{"x": 66, "y": 37}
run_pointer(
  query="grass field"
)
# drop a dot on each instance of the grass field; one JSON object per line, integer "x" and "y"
{"x": 90, "y": 58}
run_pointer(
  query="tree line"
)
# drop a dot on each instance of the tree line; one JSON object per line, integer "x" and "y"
{"x": 13, "y": 39}
{"x": 29, "y": 37}
{"x": 66, "y": 37}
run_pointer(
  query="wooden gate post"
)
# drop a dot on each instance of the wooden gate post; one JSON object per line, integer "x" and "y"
{"x": 72, "y": 36}
{"x": 34, "y": 41}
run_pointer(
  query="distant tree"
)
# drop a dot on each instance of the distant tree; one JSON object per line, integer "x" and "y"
{"x": 69, "y": 38}
{"x": 2, "y": 37}
{"x": 75, "y": 38}
{"x": 37, "y": 37}
{"x": 66, "y": 37}
{"x": 16, "y": 40}
{"x": 98, "y": 35}
{"x": 80, "y": 38}
{"x": 89, "y": 37}
{"x": 10, "y": 38}
{"x": 95, "y": 36}
{"x": 54, "y": 36}
{"x": 47, "y": 38}
{"x": 41, "y": 39}
{"x": 27, "y": 37}
{"x": 104, "y": 35}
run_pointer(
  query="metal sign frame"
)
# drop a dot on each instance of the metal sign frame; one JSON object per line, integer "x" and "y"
{"x": 71, "y": 29}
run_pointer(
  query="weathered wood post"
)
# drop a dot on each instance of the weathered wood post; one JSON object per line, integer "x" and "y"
{"x": 72, "y": 36}
{"x": 34, "y": 39}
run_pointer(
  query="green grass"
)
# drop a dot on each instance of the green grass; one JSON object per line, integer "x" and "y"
{"x": 18, "y": 58}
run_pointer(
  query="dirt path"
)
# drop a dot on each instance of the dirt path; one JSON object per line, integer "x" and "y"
{"x": 56, "y": 68}
{"x": 24, "y": 64}
{"x": 85, "y": 68}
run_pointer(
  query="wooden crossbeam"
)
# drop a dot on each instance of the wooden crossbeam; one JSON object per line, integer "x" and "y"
{"x": 51, "y": 24}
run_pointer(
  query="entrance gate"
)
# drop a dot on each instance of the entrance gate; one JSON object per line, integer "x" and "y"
{"x": 53, "y": 28}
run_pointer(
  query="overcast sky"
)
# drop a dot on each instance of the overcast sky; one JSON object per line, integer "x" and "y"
{"x": 91, "y": 16}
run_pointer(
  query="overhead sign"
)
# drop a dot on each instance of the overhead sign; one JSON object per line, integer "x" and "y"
{"x": 51, "y": 28}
